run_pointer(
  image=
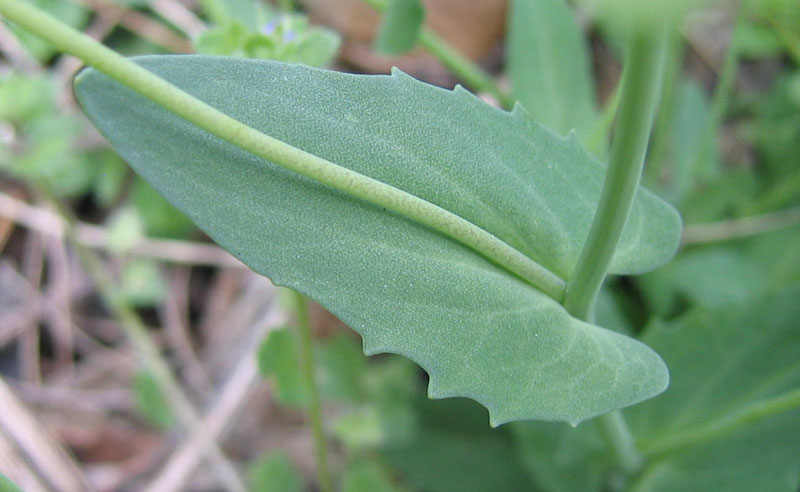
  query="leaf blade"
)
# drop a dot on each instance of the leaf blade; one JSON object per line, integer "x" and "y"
{"x": 380, "y": 269}
{"x": 549, "y": 66}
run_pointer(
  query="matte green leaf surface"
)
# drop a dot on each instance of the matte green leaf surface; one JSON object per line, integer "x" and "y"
{"x": 477, "y": 329}
{"x": 723, "y": 362}
{"x": 549, "y": 66}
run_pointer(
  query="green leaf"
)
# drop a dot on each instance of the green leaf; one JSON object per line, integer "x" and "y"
{"x": 151, "y": 401}
{"x": 6, "y": 485}
{"x": 477, "y": 329}
{"x": 453, "y": 450}
{"x": 548, "y": 66}
{"x": 340, "y": 368}
{"x": 562, "y": 459}
{"x": 279, "y": 358}
{"x": 722, "y": 362}
{"x": 366, "y": 476}
{"x": 711, "y": 277}
{"x": 274, "y": 472}
{"x": 402, "y": 22}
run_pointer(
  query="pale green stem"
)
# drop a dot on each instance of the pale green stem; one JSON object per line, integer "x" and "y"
{"x": 287, "y": 5}
{"x": 473, "y": 76}
{"x": 662, "y": 128}
{"x": 223, "y": 126}
{"x": 640, "y": 86}
{"x": 616, "y": 432}
{"x": 639, "y": 92}
{"x": 725, "y": 426}
{"x": 136, "y": 333}
{"x": 315, "y": 406}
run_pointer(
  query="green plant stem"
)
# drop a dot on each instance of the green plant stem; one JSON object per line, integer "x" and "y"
{"x": 640, "y": 86}
{"x": 662, "y": 128}
{"x": 136, "y": 332}
{"x": 287, "y": 5}
{"x": 223, "y": 126}
{"x": 639, "y": 92}
{"x": 616, "y": 431}
{"x": 315, "y": 406}
{"x": 472, "y": 75}
{"x": 725, "y": 426}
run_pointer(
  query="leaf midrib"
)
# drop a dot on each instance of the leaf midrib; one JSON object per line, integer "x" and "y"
{"x": 219, "y": 124}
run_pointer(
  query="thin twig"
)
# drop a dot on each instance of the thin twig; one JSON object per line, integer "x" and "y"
{"x": 174, "y": 313}
{"x": 727, "y": 230}
{"x": 141, "y": 25}
{"x": 181, "y": 252}
{"x": 49, "y": 459}
{"x": 187, "y": 456}
{"x": 179, "y": 16}
{"x": 137, "y": 334}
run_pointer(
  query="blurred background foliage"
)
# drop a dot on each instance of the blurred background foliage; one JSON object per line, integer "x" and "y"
{"x": 724, "y": 151}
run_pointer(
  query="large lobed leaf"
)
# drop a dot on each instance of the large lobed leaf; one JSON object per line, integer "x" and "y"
{"x": 478, "y": 330}
{"x": 722, "y": 361}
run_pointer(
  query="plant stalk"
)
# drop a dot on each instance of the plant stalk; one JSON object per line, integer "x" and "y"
{"x": 618, "y": 435}
{"x": 223, "y": 126}
{"x": 640, "y": 88}
{"x": 315, "y": 406}
{"x": 638, "y": 96}
{"x": 472, "y": 75}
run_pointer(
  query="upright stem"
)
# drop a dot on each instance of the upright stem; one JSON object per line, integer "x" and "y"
{"x": 473, "y": 76}
{"x": 616, "y": 432}
{"x": 639, "y": 93}
{"x": 640, "y": 86}
{"x": 315, "y": 407}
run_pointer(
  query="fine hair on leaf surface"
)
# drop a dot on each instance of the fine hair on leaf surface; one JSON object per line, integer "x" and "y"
{"x": 477, "y": 329}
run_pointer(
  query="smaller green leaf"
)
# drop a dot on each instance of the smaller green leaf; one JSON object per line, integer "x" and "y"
{"x": 274, "y": 472}
{"x": 366, "y": 476}
{"x": 402, "y": 22}
{"x": 548, "y": 65}
{"x": 453, "y": 450}
{"x": 151, "y": 401}
{"x": 360, "y": 429}
{"x": 125, "y": 229}
{"x": 341, "y": 365}
{"x": 160, "y": 218}
{"x": 722, "y": 363}
{"x": 6, "y": 485}
{"x": 560, "y": 458}
{"x": 712, "y": 277}
{"x": 279, "y": 359}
